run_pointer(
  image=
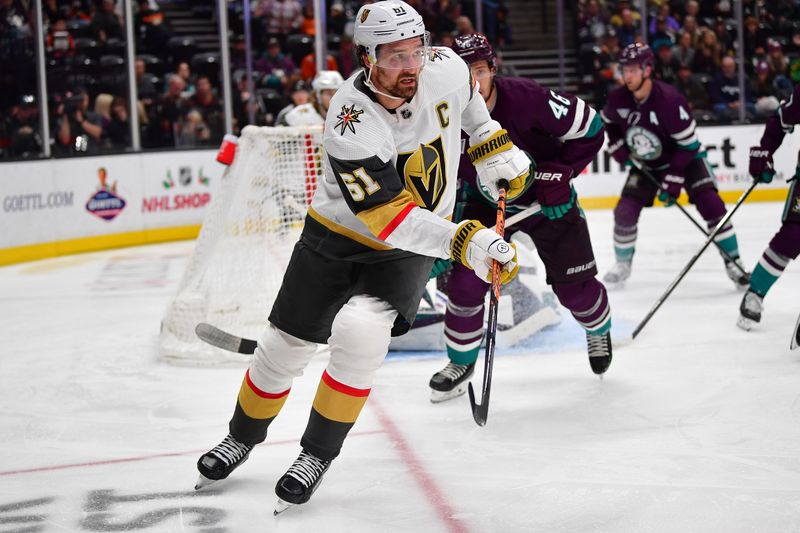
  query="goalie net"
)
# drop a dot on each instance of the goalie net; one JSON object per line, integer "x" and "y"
{"x": 251, "y": 225}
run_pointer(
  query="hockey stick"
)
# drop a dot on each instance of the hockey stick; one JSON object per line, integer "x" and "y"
{"x": 222, "y": 339}
{"x": 480, "y": 411}
{"x": 233, "y": 343}
{"x": 683, "y": 210}
{"x": 692, "y": 261}
{"x": 796, "y": 335}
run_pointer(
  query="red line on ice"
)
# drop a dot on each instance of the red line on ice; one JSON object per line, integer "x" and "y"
{"x": 146, "y": 457}
{"x": 414, "y": 465}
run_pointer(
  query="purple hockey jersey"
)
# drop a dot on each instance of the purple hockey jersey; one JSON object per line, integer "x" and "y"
{"x": 550, "y": 126}
{"x": 782, "y": 122}
{"x": 660, "y": 132}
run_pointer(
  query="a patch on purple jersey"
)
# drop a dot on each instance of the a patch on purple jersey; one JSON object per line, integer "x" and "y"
{"x": 644, "y": 144}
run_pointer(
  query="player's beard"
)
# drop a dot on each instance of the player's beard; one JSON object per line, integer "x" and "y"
{"x": 400, "y": 89}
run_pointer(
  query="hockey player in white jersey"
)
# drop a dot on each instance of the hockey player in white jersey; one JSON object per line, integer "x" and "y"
{"x": 378, "y": 219}
{"x": 325, "y": 85}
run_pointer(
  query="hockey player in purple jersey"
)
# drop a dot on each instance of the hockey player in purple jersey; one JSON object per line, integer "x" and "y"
{"x": 562, "y": 134}
{"x": 785, "y": 245}
{"x": 650, "y": 122}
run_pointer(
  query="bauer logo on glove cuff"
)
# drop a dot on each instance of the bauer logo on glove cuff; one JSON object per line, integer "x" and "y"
{"x": 548, "y": 176}
{"x": 496, "y": 143}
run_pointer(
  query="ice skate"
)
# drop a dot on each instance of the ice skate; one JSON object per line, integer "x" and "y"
{"x": 615, "y": 278}
{"x": 450, "y": 382}
{"x": 599, "y": 347}
{"x": 740, "y": 278}
{"x": 750, "y": 310}
{"x": 220, "y": 461}
{"x": 299, "y": 482}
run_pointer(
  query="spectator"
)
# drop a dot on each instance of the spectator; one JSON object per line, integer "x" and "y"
{"x": 168, "y": 112}
{"x": 152, "y": 27}
{"x": 59, "y": 43}
{"x": 337, "y": 20}
{"x": 15, "y": 20}
{"x": 107, "y": 23}
{"x": 464, "y": 26}
{"x": 671, "y": 25}
{"x": 444, "y": 39}
{"x": 755, "y": 40}
{"x": 667, "y": 64}
{"x": 691, "y": 87}
{"x": 684, "y": 50}
{"x": 185, "y": 72}
{"x": 593, "y": 23}
{"x": 279, "y": 17}
{"x": 144, "y": 83}
{"x": 118, "y": 129}
{"x": 661, "y": 33}
{"x": 690, "y": 26}
{"x": 192, "y": 130}
{"x": 627, "y": 29}
{"x": 725, "y": 93}
{"x": 308, "y": 66}
{"x": 276, "y": 64}
{"x": 724, "y": 37}
{"x": 299, "y": 95}
{"x": 209, "y": 107}
{"x": 22, "y": 128}
{"x": 778, "y": 63}
{"x": 78, "y": 130}
{"x": 707, "y": 54}
{"x": 308, "y": 26}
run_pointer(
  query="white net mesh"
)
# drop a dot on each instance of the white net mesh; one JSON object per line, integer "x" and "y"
{"x": 248, "y": 233}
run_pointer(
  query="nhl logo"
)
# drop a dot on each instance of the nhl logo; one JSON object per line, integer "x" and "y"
{"x": 405, "y": 113}
{"x": 364, "y": 15}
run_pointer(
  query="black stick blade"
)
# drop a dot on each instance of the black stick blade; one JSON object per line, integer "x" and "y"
{"x": 222, "y": 339}
{"x": 479, "y": 411}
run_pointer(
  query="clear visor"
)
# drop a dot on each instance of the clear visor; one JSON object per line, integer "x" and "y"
{"x": 409, "y": 58}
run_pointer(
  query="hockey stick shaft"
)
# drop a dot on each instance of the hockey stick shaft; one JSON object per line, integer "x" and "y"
{"x": 692, "y": 261}
{"x": 683, "y": 210}
{"x": 522, "y": 215}
{"x": 480, "y": 411}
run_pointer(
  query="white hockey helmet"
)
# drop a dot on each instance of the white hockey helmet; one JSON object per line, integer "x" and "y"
{"x": 327, "y": 79}
{"x": 386, "y": 22}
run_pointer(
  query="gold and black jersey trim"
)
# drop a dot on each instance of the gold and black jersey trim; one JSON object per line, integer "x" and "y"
{"x": 335, "y": 241}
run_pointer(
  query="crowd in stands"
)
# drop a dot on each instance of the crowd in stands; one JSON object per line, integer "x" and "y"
{"x": 178, "y": 84}
{"x": 695, "y": 43}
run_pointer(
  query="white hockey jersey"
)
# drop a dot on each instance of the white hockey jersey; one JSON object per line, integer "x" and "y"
{"x": 390, "y": 178}
{"x": 304, "y": 115}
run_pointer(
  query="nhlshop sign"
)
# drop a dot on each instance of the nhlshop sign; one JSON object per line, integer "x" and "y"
{"x": 175, "y": 202}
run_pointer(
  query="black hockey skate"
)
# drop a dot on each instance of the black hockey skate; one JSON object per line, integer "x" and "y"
{"x": 739, "y": 276}
{"x": 219, "y": 462}
{"x": 450, "y": 382}
{"x": 750, "y": 310}
{"x": 599, "y": 352}
{"x": 299, "y": 482}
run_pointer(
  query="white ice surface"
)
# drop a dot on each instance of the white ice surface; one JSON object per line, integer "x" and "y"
{"x": 694, "y": 428}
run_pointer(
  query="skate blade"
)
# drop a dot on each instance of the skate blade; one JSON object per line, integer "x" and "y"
{"x": 443, "y": 396}
{"x": 203, "y": 482}
{"x": 281, "y": 506}
{"x": 745, "y": 323}
{"x": 614, "y": 285}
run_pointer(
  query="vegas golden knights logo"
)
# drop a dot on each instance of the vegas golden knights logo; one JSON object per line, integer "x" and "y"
{"x": 364, "y": 15}
{"x": 425, "y": 173}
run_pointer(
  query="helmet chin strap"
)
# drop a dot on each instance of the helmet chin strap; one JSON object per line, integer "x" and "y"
{"x": 368, "y": 83}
